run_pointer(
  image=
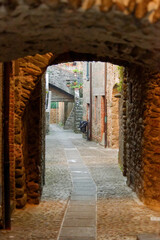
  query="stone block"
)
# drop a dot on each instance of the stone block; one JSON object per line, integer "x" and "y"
{"x": 33, "y": 186}
{"x": 19, "y": 192}
{"x": 20, "y": 181}
{"x": 19, "y": 173}
{"x": 21, "y": 202}
{"x": 17, "y": 139}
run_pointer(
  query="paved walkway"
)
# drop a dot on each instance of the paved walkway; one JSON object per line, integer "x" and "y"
{"x": 80, "y": 218}
{"x": 73, "y": 165}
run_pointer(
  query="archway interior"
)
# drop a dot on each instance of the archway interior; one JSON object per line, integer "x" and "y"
{"x": 125, "y": 33}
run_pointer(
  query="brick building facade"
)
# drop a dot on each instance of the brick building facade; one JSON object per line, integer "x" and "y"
{"x": 102, "y": 79}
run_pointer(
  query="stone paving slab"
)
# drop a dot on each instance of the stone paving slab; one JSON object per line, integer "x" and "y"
{"x": 78, "y": 222}
{"x": 84, "y": 181}
{"x": 84, "y": 188}
{"x": 77, "y": 232}
{"x": 84, "y": 193}
{"x": 76, "y": 238}
{"x": 78, "y": 208}
{"x": 82, "y": 198}
{"x": 148, "y": 237}
{"x": 80, "y": 215}
{"x": 82, "y": 203}
{"x": 82, "y": 177}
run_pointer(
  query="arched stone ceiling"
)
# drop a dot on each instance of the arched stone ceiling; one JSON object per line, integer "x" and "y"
{"x": 119, "y": 31}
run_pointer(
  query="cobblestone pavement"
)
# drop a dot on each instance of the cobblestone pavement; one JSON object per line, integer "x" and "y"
{"x": 44, "y": 220}
{"x": 120, "y": 216}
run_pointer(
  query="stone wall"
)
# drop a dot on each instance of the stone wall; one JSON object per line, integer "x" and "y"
{"x": 143, "y": 135}
{"x": 151, "y": 140}
{"x": 58, "y": 95}
{"x": 128, "y": 31}
{"x": 134, "y": 127}
{"x": 32, "y": 147}
{"x": 122, "y": 126}
{"x": 78, "y": 114}
{"x": 26, "y": 73}
{"x": 1, "y": 144}
{"x": 43, "y": 129}
{"x": 57, "y": 77}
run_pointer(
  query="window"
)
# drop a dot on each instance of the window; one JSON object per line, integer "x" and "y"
{"x": 54, "y": 105}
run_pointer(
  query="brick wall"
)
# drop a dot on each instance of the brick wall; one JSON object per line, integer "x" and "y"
{"x": 98, "y": 102}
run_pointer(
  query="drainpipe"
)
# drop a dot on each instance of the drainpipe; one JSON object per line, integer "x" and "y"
{"x": 105, "y": 105}
{"x": 6, "y": 164}
{"x": 90, "y": 112}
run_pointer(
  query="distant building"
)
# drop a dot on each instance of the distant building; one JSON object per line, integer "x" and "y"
{"x": 64, "y": 83}
{"x": 100, "y": 107}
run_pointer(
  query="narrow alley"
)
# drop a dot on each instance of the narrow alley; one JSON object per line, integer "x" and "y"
{"x": 73, "y": 162}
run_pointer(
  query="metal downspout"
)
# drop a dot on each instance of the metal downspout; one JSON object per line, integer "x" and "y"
{"x": 105, "y": 105}
{"x": 90, "y": 137}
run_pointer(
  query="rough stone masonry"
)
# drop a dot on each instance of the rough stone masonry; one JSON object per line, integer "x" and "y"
{"x": 118, "y": 31}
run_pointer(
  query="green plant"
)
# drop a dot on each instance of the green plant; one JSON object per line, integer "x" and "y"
{"x": 121, "y": 75}
{"x": 121, "y": 168}
{"x": 80, "y": 85}
{"x": 75, "y": 71}
{"x": 61, "y": 124}
{"x": 75, "y": 84}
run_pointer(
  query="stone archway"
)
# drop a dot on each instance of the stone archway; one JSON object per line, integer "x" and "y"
{"x": 116, "y": 31}
{"x": 26, "y": 74}
{"x": 121, "y": 32}
{"x": 142, "y": 173}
